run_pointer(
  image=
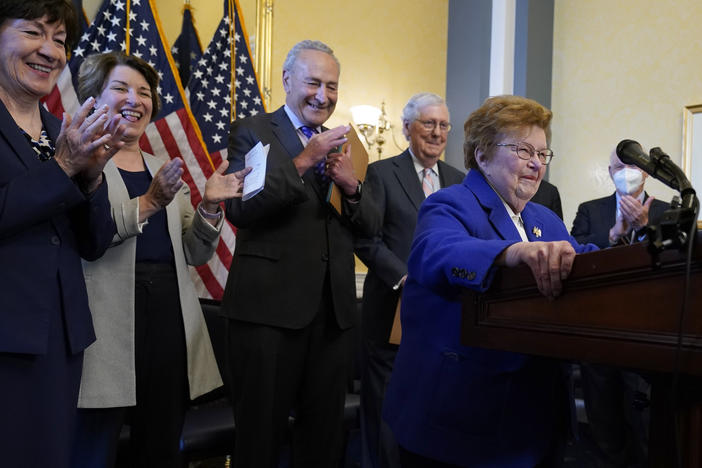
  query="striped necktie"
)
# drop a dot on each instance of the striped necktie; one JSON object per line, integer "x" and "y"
{"x": 427, "y": 182}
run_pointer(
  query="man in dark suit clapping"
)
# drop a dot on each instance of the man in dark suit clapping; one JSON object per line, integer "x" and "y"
{"x": 290, "y": 295}
{"x": 399, "y": 185}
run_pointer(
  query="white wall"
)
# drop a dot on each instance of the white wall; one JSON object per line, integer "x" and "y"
{"x": 621, "y": 69}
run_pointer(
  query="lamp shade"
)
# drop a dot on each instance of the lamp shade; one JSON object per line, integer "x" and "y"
{"x": 365, "y": 115}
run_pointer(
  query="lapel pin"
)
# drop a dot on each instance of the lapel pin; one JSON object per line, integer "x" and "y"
{"x": 536, "y": 231}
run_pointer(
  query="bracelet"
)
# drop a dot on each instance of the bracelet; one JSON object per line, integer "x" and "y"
{"x": 206, "y": 214}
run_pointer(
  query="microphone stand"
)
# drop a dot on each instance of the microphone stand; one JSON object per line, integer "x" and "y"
{"x": 679, "y": 222}
{"x": 676, "y": 230}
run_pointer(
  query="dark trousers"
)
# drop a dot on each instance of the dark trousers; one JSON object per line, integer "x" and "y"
{"x": 162, "y": 394}
{"x": 412, "y": 460}
{"x": 616, "y": 402}
{"x": 38, "y": 397}
{"x": 276, "y": 370}
{"x": 378, "y": 445}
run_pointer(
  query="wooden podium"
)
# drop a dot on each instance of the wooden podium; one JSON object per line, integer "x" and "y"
{"x": 616, "y": 308}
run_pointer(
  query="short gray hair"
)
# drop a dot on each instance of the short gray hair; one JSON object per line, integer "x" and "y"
{"x": 307, "y": 44}
{"x": 415, "y": 105}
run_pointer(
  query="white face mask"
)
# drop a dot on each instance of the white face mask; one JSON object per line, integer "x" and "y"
{"x": 628, "y": 180}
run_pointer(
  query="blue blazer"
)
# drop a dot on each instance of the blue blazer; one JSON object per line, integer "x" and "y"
{"x": 461, "y": 405}
{"x": 46, "y": 225}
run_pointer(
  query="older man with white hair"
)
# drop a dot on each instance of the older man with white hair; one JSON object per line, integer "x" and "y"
{"x": 399, "y": 185}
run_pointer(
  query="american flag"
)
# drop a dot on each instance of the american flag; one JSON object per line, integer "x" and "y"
{"x": 174, "y": 131}
{"x": 226, "y": 61}
{"x": 215, "y": 103}
{"x": 187, "y": 49}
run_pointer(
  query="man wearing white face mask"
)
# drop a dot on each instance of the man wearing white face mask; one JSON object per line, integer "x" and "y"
{"x": 620, "y": 217}
{"x": 616, "y": 400}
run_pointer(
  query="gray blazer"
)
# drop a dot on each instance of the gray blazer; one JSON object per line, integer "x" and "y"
{"x": 108, "y": 367}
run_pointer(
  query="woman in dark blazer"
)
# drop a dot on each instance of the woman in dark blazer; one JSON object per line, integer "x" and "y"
{"x": 453, "y": 405}
{"x": 53, "y": 211}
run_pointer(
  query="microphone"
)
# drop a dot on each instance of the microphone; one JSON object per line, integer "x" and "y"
{"x": 658, "y": 165}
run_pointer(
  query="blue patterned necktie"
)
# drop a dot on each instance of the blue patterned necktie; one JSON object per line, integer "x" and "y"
{"x": 320, "y": 167}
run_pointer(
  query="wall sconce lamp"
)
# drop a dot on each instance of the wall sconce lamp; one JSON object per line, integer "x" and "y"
{"x": 372, "y": 123}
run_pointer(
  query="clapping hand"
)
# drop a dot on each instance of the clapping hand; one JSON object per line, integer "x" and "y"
{"x": 87, "y": 141}
{"x": 634, "y": 212}
{"x": 319, "y": 146}
{"x": 221, "y": 186}
{"x": 165, "y": 185}
{"x": 632, "y": 215}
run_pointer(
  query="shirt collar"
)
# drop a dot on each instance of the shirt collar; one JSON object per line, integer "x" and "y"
{"x": 418, "y": 166}
{"x": 297, "y": 123}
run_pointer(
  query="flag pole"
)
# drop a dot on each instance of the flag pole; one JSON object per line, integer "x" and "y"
{"x": 232, "y": 59}
{"x": 126, "y": 31}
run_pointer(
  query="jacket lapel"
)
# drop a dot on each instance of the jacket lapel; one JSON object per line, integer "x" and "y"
{"x": 118, "y": 190}
{"x": 287, "y": 135}
{"x": 12, "y": 134}
{"x": 492, "y": 204}
{"x": 609, "y": 213}
{"x": 51, "y": 124}
{"x": 533, "y": 224}
{"x": 408, "y": 178}
{"x": 442, "y": 178}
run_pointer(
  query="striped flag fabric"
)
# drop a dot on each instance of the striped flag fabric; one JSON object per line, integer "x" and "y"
{"x": 187, "y": 49}
{"x": 224, "y": 85}
{"x": 174, "y": 131}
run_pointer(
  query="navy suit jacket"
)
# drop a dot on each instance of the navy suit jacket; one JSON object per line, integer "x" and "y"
{"x": 596, "y": 217}
{"x": 46, "y": 226}
{"x": 461, "y": 405}
{"x": 289, "y": 238}
{"x": 398, "y": 194}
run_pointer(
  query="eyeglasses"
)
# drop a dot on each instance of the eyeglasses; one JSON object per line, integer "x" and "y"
{"x": 430, "y": 125}
{"x": 525, "y": 151}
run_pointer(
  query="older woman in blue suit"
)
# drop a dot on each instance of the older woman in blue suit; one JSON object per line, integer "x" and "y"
{"x": 454, "y": 405}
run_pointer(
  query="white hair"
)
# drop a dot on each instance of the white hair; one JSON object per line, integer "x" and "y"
{"x": 415, "y": 105}
{"x": 307, "y": 44}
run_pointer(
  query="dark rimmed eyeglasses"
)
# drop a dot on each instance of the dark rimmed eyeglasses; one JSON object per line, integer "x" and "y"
{"x": 525, "y": 151}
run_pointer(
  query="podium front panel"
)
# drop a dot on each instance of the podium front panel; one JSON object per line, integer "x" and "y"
{"x": 617, "y": 308}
